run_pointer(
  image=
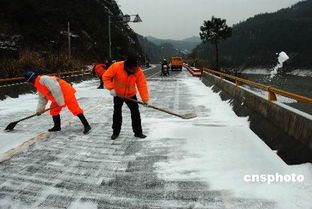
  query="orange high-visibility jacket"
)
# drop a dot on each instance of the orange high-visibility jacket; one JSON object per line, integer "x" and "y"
{"x": 125, "y": 85}
{"x": 100, "y": 69}
{"x": 67, "y": 90}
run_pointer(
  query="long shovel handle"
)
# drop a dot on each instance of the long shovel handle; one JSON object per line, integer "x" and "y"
{"x": 33, "y": 115}
{"x": 186, "y": 116}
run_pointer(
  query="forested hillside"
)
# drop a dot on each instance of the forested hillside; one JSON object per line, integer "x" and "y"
{"x": 33, "y": 34}
{"x": 158, "y": 49}
{"x": 186, "y": 45}
{"x": 255, "y": 42}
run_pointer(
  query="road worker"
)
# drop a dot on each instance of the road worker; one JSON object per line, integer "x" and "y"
{"x": 99, "y": 70}
{"x": 121, "y": 79}
{"x": 61, "y": 94}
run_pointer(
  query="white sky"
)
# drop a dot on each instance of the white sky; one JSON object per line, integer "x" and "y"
{"x": 217, "y": 146}
{"x": 179, "y": 19}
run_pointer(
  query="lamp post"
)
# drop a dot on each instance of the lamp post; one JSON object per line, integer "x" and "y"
{"x": 125, "y": 19}
{"x": 109, "y": 13}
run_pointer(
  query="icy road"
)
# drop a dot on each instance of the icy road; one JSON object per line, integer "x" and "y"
{"x": 205, "y": 162}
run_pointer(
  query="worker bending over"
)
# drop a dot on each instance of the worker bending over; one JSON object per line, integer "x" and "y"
{"x": 61, "y": 94}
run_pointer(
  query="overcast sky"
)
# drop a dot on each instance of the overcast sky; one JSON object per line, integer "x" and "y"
{"x": 179, "y": 19}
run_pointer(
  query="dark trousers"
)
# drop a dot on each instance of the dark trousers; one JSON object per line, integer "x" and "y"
{"x": 101, "y": 82}
{"x": 135, "y": 115}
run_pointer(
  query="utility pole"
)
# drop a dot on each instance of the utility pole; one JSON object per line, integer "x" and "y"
{"x": 68, "y": 37}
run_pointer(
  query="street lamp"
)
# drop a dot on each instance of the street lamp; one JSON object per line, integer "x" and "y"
{"x": 125, "y": 19}
{"x": 109, "y": 13}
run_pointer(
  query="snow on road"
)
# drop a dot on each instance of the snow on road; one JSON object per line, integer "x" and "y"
{"x": 216, "y": 147}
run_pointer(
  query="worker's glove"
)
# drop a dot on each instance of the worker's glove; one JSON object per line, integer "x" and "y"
{"x": 39, "y": 112}
{"x": 145, "y": 103}
{"x": 113, "y": 92}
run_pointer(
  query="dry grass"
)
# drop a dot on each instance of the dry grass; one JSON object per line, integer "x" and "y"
{"x": 39, "y": 62}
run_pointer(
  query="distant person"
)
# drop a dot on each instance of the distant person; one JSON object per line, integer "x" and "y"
{"x": 108, "y": 63}
{"x": 61, "y": 94}
{"x": 99, "y": 70}
{"x": 164, "y": 68}
{"x": 121, "y": 79}
{"x": 164, "y": 62}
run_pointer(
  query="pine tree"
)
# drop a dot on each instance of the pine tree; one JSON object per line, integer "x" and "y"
{"x": 213, "y": 31}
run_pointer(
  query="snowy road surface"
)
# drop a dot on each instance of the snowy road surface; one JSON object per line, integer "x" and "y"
{"x": 196, "y": 163}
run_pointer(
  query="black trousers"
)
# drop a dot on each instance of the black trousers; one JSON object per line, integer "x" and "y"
{"x": 101, "y": 82}
{"x": 135, "y": 115}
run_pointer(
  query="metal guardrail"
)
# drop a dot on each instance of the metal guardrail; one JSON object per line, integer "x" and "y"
{"x": 271, "y": 90}
{"x": 59, "y": 74}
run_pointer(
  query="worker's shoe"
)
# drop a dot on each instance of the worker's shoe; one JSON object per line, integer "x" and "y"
{"x": 85, "y": 123}
{"x": 57, "y": 123}
{"x": 100, "y": 87}
{"x": 114, "y": 136}
{"x": 140, "y": 136}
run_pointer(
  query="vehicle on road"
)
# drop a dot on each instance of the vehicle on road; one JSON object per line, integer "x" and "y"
{"x": 164, "y": 70}
{"x": 176, "y": 63}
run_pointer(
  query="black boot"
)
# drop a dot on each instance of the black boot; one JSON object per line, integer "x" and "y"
{"x": 85, "y": 123}
{"x": 114, "y": 136}
{"x": 57, "y": 123}
{"x": 140, "y": 135}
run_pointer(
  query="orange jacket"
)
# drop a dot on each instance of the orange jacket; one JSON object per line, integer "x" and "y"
{"x": 125, "y": 85}
{"x": 67, "y": 90}
{"x": 100, "y": 69}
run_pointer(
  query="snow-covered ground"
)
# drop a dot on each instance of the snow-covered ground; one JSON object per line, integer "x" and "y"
{"x": 216, "y": 147}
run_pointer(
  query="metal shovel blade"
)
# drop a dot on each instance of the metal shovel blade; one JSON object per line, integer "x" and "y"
{"x": 11, "y": 126}
{"x": 189, "y": 116}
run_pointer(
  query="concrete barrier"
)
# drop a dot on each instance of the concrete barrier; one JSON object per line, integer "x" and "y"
{"x": 289, "y": 131}
{"x": 194, "y": 71}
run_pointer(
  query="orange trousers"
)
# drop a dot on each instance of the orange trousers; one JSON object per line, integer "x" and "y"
{"x": 71, "y": 104}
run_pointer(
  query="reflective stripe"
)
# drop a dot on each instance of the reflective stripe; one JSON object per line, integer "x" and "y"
{"x": 122, "y": 85}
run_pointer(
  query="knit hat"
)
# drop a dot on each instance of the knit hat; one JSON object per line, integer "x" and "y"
{"x": 131, "y": 62}
{"x": 30, "y": 76}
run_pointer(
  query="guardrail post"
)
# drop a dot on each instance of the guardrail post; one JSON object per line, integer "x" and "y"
{"x": 271, "y": 96}
{"x": 238, "y": 83}
{"x": 222, "y": 76}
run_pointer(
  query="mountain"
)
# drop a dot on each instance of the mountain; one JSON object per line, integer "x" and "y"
{"x": 255, "y": 42}
{"x": 194, "y": 39}
{"x": 158, "y": 49}
{"x": 187, "y": 44}
{"x": 156, "y": 53}
{"x": 34, "y": 34}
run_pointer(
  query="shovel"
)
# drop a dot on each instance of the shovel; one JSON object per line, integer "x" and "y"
{"x": 185, "y": 116}
{"x": 11, "y": 126}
